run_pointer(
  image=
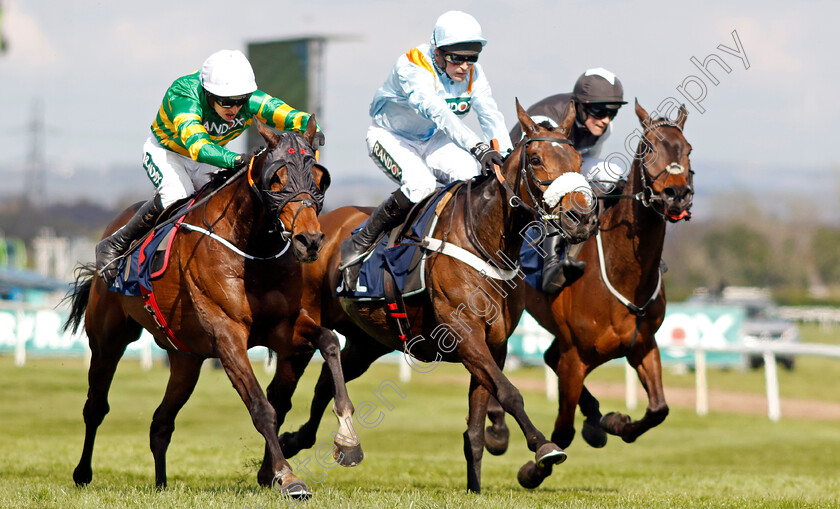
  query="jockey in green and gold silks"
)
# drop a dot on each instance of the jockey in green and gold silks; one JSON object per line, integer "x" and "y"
{"x": 188, "y": 125}
{"x": 200, "y": 113}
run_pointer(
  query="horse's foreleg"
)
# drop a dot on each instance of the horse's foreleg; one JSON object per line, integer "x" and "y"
{"x": 356, "y": 357}
{"x": 348, "y": 450}
{"x": 238, "y": 368}
{"x": 183, "y": 375}
{"x": 279, "y": 394}
{"x": 497, "y": 435}
{"x": 105, "y": 355}
{"x": 473, "y": 437}
{"x": 481, "y": 365}
{"x": 570, "y": 372}
{"x": 649, "y": 370}
{"x": 592, "y": 432}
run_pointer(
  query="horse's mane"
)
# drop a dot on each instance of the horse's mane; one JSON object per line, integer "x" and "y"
{"x": 221, "y": 176}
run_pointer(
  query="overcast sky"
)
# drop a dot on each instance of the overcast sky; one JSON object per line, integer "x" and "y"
{"x": 99, "y": 69}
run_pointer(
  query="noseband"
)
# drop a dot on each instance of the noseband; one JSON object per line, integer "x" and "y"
{"x": 524, "y": 166}
{"x": 515, "y": 200}
{"x": 648, "y": 196}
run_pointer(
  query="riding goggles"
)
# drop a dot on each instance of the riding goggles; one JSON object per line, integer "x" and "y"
{"x": 232, "y": 102}
{"x": 599, "y": 112}
{"x": 458, "y": 59}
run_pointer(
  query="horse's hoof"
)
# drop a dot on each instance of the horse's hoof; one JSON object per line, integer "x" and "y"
{"x": 292, "y": 487}
{"x": 297, "y": 490}
{"x": 496, "y": 441}
{"x": 614, "y": 423}
{"x": 594, "y": 435}
{"x": 530, "y": 475}
{"x": 265, "y": 477}
{"x": 82, "y": 476}
{"x": 549, "y": 454}
{"x": 348, "y": 456}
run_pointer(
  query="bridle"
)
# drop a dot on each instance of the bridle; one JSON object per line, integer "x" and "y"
{"x": 647, "y": 196}
{"x": 525, "y": 169}
{"x": 514, "y": 199}
{"x": 300, "y": 185}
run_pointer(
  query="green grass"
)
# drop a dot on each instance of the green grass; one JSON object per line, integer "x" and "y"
{"x": 808, "y": 379}
{"x": 413, "y": 458}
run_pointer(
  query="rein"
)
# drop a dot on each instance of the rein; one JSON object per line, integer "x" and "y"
{"x": 176, "y": 217}
{"x": 515, "y": 200}
{"x": 221, "y": 240}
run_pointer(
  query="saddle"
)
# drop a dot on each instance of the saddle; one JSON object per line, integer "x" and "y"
{"x": 399, "y": 252}
{"x": 147, "y": 262}
{"x": 396, "y": 266}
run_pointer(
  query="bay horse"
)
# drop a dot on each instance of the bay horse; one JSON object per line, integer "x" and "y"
{"x": 463, "y": 315}
{"x": 234, "y": 285}
{"x": 618, "y": 304}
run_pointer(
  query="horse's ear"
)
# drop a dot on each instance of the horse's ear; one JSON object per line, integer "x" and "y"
{"x": 681, "y": 118}
{"x": 565, "y": 126}
{"x": 525, "y": 122}
{"x": 311, "y": 127}
{"x": 271, "y": 138}
{"x": 322, "y": 177}
{"x": 641, "y": 113}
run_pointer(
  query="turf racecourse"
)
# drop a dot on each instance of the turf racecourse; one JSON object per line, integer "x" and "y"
{"x": 413, "y": 456}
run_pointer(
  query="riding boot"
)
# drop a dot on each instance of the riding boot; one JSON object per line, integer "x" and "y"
{"x": 559, "y": 272}
{"x": 110, "y": 248}
{"x": 387, "y": 215}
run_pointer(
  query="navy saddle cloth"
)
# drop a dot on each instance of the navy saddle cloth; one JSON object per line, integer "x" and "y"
{"x": 148, "y": 261}
{"x": 405, "y": 260}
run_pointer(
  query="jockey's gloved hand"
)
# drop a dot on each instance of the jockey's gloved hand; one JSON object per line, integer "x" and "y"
{"x": 317, "y": 140}
{"x": 245, "y": 158}
{"x": 487, "y": 157}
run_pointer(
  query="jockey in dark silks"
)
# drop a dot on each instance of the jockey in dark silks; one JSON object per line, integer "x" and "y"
{"x": 598, "y": 95}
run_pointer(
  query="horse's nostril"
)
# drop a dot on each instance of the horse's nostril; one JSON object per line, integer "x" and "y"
{"x": 309, "y": 240}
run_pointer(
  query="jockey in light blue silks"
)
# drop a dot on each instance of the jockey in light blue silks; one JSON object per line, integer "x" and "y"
{"x": 417, "y": 135}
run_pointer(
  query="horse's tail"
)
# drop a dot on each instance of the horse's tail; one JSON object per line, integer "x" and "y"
{"x": 79, "y": 295}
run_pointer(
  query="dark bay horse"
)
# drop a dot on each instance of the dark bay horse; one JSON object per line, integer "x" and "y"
{"x": 220, "y": 296}
{"x": 463, "y": 316}
{"x": 593, "y": 323}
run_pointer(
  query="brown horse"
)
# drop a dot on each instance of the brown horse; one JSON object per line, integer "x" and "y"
{"x": 220, "y": 296}
{"x": 615, "y": 308}
{"x": 463, "y": 316}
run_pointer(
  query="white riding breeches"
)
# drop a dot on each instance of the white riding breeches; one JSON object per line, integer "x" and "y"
{"x": 173, "y": 175}
{"x": 419, "y": 166}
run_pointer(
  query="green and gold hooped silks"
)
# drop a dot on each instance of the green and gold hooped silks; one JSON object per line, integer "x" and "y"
{"x": 188, "y": 125}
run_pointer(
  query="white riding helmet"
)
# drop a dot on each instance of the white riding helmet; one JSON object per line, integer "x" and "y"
{"x": 456, "y": 27}
{"x": 228, "y": 73}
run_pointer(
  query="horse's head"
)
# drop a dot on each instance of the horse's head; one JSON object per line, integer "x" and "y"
{"x": 667, "y": 181}
{"x": 291, "y": 185}
{"x": 546, "y": 169}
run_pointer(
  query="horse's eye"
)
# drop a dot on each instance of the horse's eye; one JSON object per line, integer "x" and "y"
{"x": 535, "y": 161}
